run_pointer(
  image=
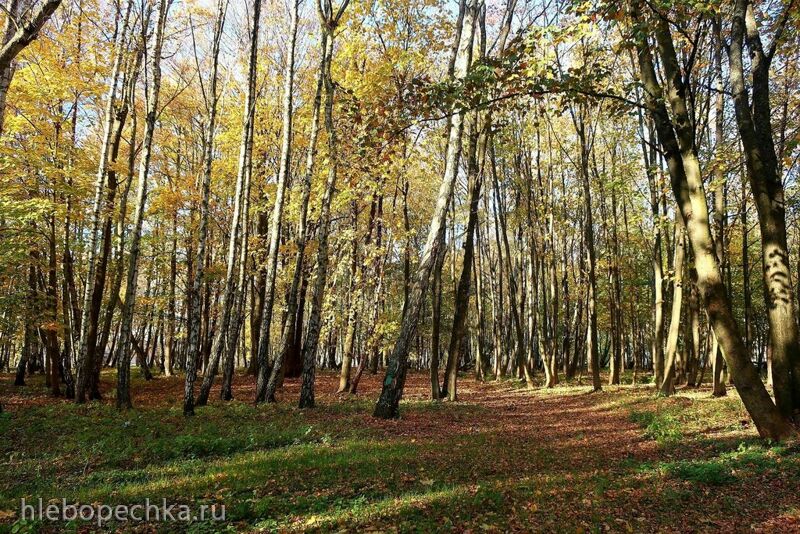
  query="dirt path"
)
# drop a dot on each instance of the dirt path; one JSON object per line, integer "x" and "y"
{"x": 508, "y": 459}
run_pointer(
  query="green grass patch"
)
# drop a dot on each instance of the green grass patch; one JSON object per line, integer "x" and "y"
{"x": 664, "y": 427}
{"x": 711, "y": 473}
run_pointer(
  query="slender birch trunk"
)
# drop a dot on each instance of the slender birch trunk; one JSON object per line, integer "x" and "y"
{"x": 329, "y": 22}
{"x": 264, "y": 371}
{"x": 211, "y": 100}
{"x": 85, "y": 364}
{"x": 295, "y": 303}
{"x": 234, "y": 290}
{"x": 151, "y": 95}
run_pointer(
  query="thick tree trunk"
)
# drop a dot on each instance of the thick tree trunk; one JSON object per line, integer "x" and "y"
{"x": 755, "y": 130}
{"x": 18, "y": 33}
{"x": 677, "y": 142}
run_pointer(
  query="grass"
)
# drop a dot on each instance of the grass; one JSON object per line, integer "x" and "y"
{"x": 665, "y": 428}
{"x": 501, "y": 459}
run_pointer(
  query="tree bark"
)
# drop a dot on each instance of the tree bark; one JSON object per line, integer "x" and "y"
{"x": 198, "y": 280}
{"x": 18, "y": 33}
{"x": 387, "y": 406}
{"x": 329, "y": 22}
{"x": 753, "y": 119}
{"x": 234, "y": 295}
{"x": 126, "y": 327}
{"x": 667, "y": 387}
{"x": 677, "y": 142}
{"x": 93, "y": 290}
{"x": 264, "y": 371}
{"x": 592, "y": 355}
{"x": 477, "y": 143}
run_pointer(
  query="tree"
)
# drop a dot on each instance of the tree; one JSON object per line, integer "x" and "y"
{"x": 268, "y": 377}
{"x": 388, "y": 404}
{"x": 234, "y": 290}
{"x": 151, "y": 104}
{"x": 677, "y": 141}
{"x": 23, "y": 22}
{"x": 114, "y": 121}
{"x": 211, "y": 99}
{"x": 329, "y": 20}
{"x": 753, "y": 119}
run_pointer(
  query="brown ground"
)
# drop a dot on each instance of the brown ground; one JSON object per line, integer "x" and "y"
{"x": 564, "y": 457}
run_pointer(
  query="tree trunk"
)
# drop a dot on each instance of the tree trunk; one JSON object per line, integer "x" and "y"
{"x": 667, "y": 387}
{"x": 329, "y": 22}
{"x": 436, "y": 321}
{"x": 687, "y": 186}
{"x": 476, "y": 146}
{"x": 18, "y": 33}
{"x": 222, "y": 336}
{"x": 593, "y": 358}
{"x": 277, "y": 216}
{"x": 126, "y": 328}
{"x": 718, "y": 385}
{"x": 198, "y": 280}
{"x": 93, "y": 290}
{"x": 388, "y": 404}
{"x": 755, "y": 130}
{"x": 352, "y": 306}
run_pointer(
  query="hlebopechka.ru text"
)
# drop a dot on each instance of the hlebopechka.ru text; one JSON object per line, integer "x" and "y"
{"x": 103, "y": 513}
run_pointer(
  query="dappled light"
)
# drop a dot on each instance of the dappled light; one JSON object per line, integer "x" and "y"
{"x": 399, "y": 266}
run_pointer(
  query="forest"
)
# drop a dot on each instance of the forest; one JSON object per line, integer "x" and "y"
{"x": 400, "y": 265}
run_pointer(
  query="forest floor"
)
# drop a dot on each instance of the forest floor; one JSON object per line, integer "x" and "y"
{"x": 503, "y": 458}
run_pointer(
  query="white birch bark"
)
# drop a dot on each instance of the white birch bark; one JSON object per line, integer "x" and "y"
{"x": 151, "y": 97}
